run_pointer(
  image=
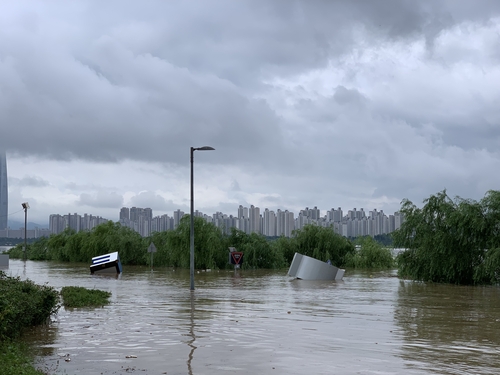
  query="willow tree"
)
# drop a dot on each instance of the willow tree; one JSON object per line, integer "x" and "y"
{"x": 322, "y": 243}
{"x": 108, "y": 237}
{"x": 450, "y": 240}
{"x": 209, "y": 245}
{"x": 258, "y": 251}
{"x": 370, "y": 255}
{"x": 112, "y": 237}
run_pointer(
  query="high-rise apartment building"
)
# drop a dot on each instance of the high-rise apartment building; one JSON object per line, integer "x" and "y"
{"x": 58, "y": 223}
{"x": 4, "y": 197}
{"x": 177, "y": 217}
{"x": 135, "y": 213}
{"x": 124, "y": 213}
{"x": 148, "y": 213}
{"x": 254, "y": 219}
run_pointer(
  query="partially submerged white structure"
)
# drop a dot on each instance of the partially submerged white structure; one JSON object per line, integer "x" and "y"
{"x": 307, "y": 268}
{"x": 107, "y": 263}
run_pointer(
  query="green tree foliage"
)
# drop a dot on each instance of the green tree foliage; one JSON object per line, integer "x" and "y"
{"x": 211, "y": 246}
{"x": 451, "y": 240}
{"x": 370, "y": 254}
{"x": 258, "y": 251}
{"x": 285, "y": 247}
{"x": 112, "y": 237}
{"x": 173, "y": 247}
{"x": 322, "y": 243}
{"x": 384, "y": 239}
{"x": 70, "y": 246}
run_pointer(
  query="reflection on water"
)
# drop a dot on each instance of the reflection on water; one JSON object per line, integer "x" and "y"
{"x": 193, "y": 337}
{"x": 453, "y": 328}
{"x": 263, "y": 322}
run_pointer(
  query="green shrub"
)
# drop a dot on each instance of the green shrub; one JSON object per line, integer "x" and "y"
{"x": 24, "y": 304}
{"x": 77, "y": 296}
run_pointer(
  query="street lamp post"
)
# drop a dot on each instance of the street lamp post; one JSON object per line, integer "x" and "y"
{"x": 25, "y": 206}
{"x": 191, "y": 216}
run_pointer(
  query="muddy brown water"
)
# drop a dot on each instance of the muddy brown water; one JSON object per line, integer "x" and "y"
{"x": 264, "y": 322}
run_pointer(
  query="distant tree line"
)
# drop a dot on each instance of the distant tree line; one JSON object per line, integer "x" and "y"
{"x": 447, "y": 240}
{"x": 211, "y": 247}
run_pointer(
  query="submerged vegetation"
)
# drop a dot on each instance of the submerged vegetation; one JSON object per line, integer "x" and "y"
{"x": 15, "y": 359}
{"x": 211, "y": 247}
{"x": 370, "y": 254}
{"x": 451, "y": 240}
{"x": 23, "y": 304}
{"x": 77, "y": 296}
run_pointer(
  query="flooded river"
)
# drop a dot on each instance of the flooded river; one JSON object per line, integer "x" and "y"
{"x": 263, "y": 322}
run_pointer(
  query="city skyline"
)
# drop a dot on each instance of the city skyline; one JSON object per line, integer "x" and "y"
{"x": 248, "y": 219}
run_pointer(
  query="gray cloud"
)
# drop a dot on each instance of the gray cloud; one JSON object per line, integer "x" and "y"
{"x": 144, "y": 86}
{"x": 235, "y": 186}
{"x": 29, "y": 181}
{"x": 101, "y": 199}
{"x": 152, "y": 200}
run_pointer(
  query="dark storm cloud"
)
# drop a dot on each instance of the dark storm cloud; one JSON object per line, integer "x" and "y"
{"x": 114, "y": 80}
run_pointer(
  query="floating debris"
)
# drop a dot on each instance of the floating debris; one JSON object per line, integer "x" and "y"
{"x": 107, "y": 263}
{"x": 307, "y": 268}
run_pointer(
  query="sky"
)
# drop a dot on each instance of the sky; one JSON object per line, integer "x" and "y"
{"x": 352, "y": 104}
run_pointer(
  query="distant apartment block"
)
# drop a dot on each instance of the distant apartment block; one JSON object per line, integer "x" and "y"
{"x": 354, "y": 223}
{"x": 58, "y": 223}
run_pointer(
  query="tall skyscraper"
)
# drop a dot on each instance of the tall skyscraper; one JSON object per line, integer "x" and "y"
{"x": 4, "y": 197}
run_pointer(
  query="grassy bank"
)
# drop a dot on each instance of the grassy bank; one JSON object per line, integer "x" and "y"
{"x": 15, "y": 359}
